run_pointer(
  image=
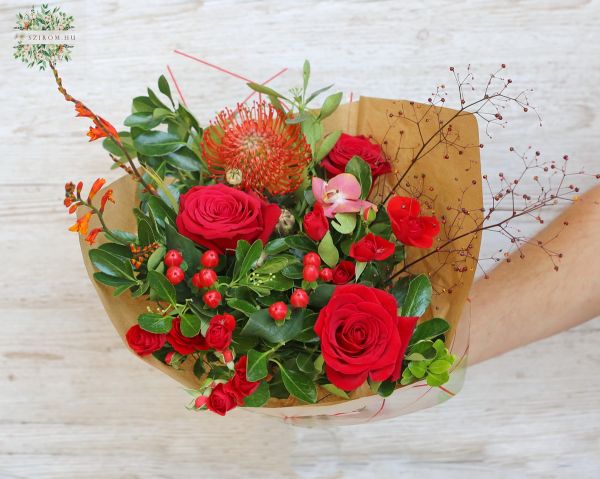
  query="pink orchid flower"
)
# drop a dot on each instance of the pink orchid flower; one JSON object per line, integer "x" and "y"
{"x": 341, "y": 194}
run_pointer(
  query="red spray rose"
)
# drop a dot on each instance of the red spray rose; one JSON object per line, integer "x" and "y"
{"x": 239, "y": 384}
{"x": 221, "y": 400}
{"x": 218, "y": 335}
{"x": 343, "y": 272}
{"x": 143, "y": 342}
{"x": 315, "y": 223}
{"x": 183, "y": 344}
{"x": 372, "y": 248}
{"x": 362, "y": 336}
{"x": 217, "y": 216}
{"x": 409, "y": 227}
{"x": 348, "y": 146}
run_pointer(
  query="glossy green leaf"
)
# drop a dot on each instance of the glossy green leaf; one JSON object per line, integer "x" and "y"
{"x": 418, "y": 297}
{"x": 299, "y": 385}
{"x": 362, "y": 171}
{"x": 190, "y": 325}
{"x": 110, "y": 264}
{"x": 241, "y": 305}
{"x": 248, "y": 259}
{"x": 113, "y": 281}
{"x": 143, "y": 120}
{"x": 327, "y": 251}
{"x": 184, "y": 159}
{"x": 259, "y": 397}
{"x": 191, "y": 254}
{"x": 330, "y": 104}
{"x": 157, "y": 143}
{"x": 320, "y": 296}
{"x": 257, "y": 365}
{"x": 155, "y": 323}
{"x": 161, "y": 287}
{"x": 327, "y": 144}
{"x": 344, "y": 222}
{"x": 430, "y": 329}
{"x": 335, "y": 390}
{"x": 261, "y": 324}
{"x": 163, "y": 86}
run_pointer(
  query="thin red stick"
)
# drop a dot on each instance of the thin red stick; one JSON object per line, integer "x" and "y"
{"x": 179, "y": 92}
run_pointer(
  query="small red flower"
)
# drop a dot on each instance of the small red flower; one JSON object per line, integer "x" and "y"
{"x": 220, "y": 329}
{"x": 143, "y": 342}
{"x": 372, "y": 248}
{"x": 343, "y": 272}
{"x": 315, "y": 223}
{"x": 182, "y": 344}
{"x": 221, "y": 400}
{"x": 409, "y": 226}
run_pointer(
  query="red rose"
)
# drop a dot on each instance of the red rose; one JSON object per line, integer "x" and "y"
{"x": 221, "y": 400}
{"x": 372, "y": 248}
{"x": 343, "y": 272}
{"x": 239, "y": 384}
{"x": 218, "y": 335}
{"x": 409, "y": 227}
{"x": 182, "y": 344}
{"x": 217, "y": 216}
{"x": 348, "y": 146}
{"x": 315, "y": 223}
{"x": 143, "y": 342}
{"x": 362, "y": 336}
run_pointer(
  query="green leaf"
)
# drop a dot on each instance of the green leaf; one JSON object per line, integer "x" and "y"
{"x": 257, "y": 365}
{"x": 160, "y": 285}
{"x": 418, "y": 368}
{"x": 190, "y": 325}
{"x": 327, "y": 144}
{"x": 145, "y": 231}
{"x": 191, "y": 254}
{"x": 360, "y": 267}
{"x": 344, "y": 222}
{"x": 335, "y": 390}
{"x": 305, "y": 363}
{"x": 264, "y": 89}
{"x": 330, "y": 104}
{"x": 143, "y": 120}
{"x": 327, "y": 251}
{"x": 386, "y": 388}
{"x": 199, "y": 370}
{"x": 111, "y": 265}
{"x": 272, "y": 265}
{"x": 155, "y": 100}
{"x": 156, "y": 257}
{"x": 113, "y": 280}
{"x": 278, "y": 245}
{"x": 259, "y": 397}
{"x": 142, "y": 104}
{"x": 320, "y": 296}
{"x": 261, "y": 324}
{"x": 362, "y": 171}
{"x": 248, "y": 259}
{"x": 161, "y": 210}
{"x": 241, "y": 305}
{"x": 439, "y": 366}
{"x": 184, "y": 159}
{"x": 163, "y": 86}
{"x": 418, "y": 297}
{"x": 123, "y": 237}
{"x": 430, "y": 329}
{"x": 305, "y": 74}
{"x": 299, "y": 385}
{"x": 155, "y": 323}
{"x": 316, "y": 93}
{"x": 157, "y": 143}
{"x": 400, "y": 290}
{"x": 300, "y": 242}
{"x": 293, "y": 271}
{"x": 435, "y": 380}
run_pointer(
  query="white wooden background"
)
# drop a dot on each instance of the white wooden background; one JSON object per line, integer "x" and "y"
{"x": 75, "y": 403}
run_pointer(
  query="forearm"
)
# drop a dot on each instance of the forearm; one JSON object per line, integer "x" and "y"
{"x": 525, "y": 300}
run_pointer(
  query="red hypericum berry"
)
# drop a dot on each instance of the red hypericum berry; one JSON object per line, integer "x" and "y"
{"x": 175, "y": 275}
{"x": 206, "y": 278}
{"x": 173, "y": 258}
{"x": 200, "y": 401}
{"x": 210, "y": 259}
{"x": 212, "y": 298}
{"x": 326, "y": 275}
{"x": 310, "y": 273}
{"x": 299, "y": 299}
{"x": 278, "y": 311}
{"x": 197, "y": 281}
{"x": 312, "y": 258}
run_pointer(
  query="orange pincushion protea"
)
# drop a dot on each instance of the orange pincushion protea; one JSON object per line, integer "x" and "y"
{"x": 254, "y": 148}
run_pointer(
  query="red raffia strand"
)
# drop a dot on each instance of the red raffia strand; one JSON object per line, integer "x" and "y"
{"x": 179, "y": 92}
{"x": 229, "y": 72}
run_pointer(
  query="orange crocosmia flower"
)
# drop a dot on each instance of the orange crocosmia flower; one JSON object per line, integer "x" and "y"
{"x": 95, "y": 132}
{"x": 105, "y": 198}
{"x": 83, "y": 111}
{"x": 82, "y": 224}
{"x": 91, "y": 238}
{"x": 74, "y": 207}
{"x": 96, "y": 187}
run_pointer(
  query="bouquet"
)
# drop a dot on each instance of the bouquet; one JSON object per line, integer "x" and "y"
{"x": 308, "y": 263}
